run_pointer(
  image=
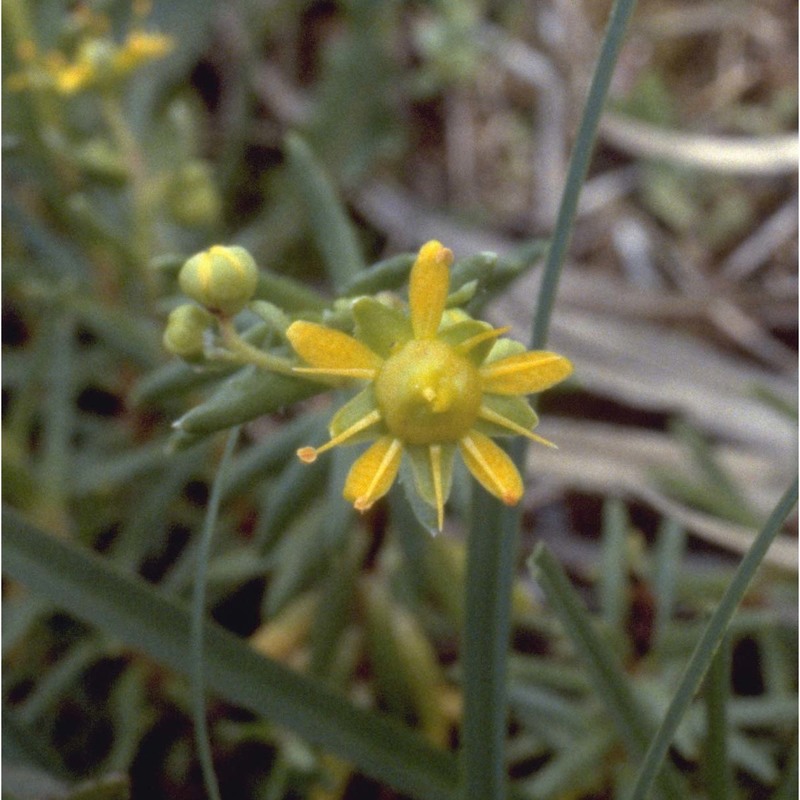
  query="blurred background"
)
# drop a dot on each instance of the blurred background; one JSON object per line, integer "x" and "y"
{"x": 447, "y": 120}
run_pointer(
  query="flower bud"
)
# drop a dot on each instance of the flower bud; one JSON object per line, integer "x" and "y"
{"x": 193, "y": 197}
{"x": 185, "y": 331}
{"x": 223, "y": 279}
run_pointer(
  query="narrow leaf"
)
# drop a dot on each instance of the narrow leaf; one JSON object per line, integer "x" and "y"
{"x": 129, "y": 609}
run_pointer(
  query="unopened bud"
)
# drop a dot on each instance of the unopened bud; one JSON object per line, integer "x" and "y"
{"x": 185, "y": 331}
{"x": 193, "y": 197}
{"x": 223, "y": 279}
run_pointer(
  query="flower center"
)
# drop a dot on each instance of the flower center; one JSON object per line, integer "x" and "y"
{"x": 427, "y": 393}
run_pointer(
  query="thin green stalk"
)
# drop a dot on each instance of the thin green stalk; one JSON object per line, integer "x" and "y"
{"x": 578, "y": 167}
{"x": 613, "y": 578}
{"x": 491, "y": 553}
{"x": 709, "y": 642}
{"x": 143, "y": 192}
{"x": 59, "y": 423}
{"x": 491, "y": 558}
{"x": 241, "y": 351}
{"x": 202, "y": 739}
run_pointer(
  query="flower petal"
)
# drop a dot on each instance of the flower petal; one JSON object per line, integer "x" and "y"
{"x": 492, "y": 467}
{"x": 331, "y": 352}
{"x": 525, "y": 373}
{"x": 373, "y": 472}
{"x": 428, "y": 286}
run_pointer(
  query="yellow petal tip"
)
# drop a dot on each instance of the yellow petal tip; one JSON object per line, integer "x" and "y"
{"x": 434, "y": 251}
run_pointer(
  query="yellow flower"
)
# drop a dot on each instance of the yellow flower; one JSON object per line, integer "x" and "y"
{"x": 99, "y": 60}
{"x": 437, "y": 382}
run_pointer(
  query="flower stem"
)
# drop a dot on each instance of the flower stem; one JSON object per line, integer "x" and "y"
{"x": 242, "y": 352}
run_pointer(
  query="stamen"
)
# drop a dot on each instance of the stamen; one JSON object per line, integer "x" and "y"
{"x": 499, "y": 419}
{"x": 436, "y": 468}
{"x": 474, "y": 341}
{"x": 309, "y": 454}
{"x": 514, "y": 364}
{"x": 341, "y": 372}
{"x": 362, "y": 504}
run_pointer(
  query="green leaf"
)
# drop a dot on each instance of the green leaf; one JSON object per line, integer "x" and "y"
{"x": 353, "y": 411}
{"x": 420, "y": 460}
{"x": 459, "y": 332}
{"x": 424, "y": 513}
{"x": 515, "y": 409}
{"x": 248, "y": 394}
{"x": 333, "y": 234}
{"x": 710, "y": 640}
{"x": 379, "y": 326}
{"x": 130, "y": 610}
{"x": 391, "y": 273}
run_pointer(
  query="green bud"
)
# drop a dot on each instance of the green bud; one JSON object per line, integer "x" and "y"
{"x": 223, "y": 279}
{"x": 102, "y": 161}
{"x": 193, "y": 196}
{"x": 185, "y": 331}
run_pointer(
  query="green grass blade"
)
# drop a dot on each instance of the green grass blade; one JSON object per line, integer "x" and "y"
{"x": 670, "y": 545}
{"x": 613, "y": 578}
{"x": 716, "y": 694}
{"x": 333, "y": 234}
{"x": 710, "y": 640}
{"x": 132, "y": 611}
{"x": 578, "y": 167}
{"x": 606, "y": 673}
{"x": 202, "y": 738}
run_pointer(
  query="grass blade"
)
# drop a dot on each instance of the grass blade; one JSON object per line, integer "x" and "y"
{"x": 613, "y": 578}
{"x": 608, "y": 677}
{"x": 132, "y": 611}
{"x": 709, "y": 642}
{"x": 578, "y": 167}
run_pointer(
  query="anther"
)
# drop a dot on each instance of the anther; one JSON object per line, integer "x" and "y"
{"x": 307, "y": 454}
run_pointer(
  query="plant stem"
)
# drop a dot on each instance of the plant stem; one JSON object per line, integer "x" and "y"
{"x": 202, "y": 739}
{"x": 243, "y": 352}
{"x": 578, "y": 167}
